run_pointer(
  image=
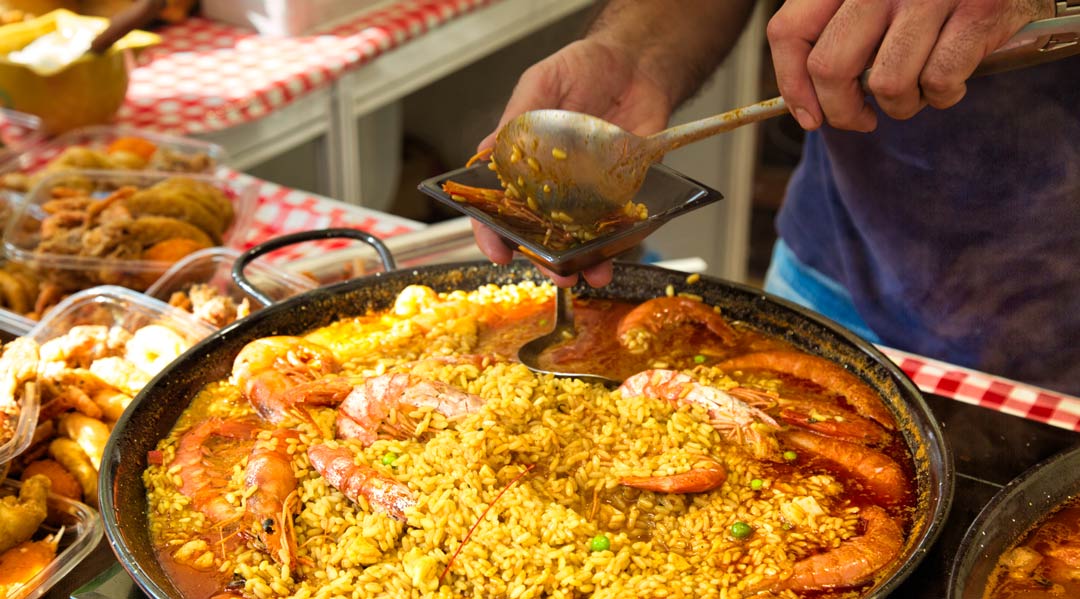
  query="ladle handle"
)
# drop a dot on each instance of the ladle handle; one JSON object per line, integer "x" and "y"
{"x": 564, "y": 308}
{"x": 681, "y": 135}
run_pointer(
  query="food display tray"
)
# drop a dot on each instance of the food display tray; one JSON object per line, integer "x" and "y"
{"x": 666, "y": 194}
{"x": 213, "y": 267}
{"x": 23, "y": 231}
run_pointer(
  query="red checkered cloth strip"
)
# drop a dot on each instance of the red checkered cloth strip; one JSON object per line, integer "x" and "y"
{"x": 207, "y": 75}
{"x": 282, "y": 210}
{"x": 989, "y": 391}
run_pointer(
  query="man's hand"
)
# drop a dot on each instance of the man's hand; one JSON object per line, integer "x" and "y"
{"x": 920, "y": 52}
{"x": 585, "y": 76}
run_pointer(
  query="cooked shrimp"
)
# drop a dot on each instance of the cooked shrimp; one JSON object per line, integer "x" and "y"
{"x": 855, "y": 562}
{"x": 734, "y": 419}
{"x": 205, "y": 456}
{"x": 67, "y": 398}
{"x": 640, "y": 326}
{"x": 278, "y": 373}
{"x": 338, "y": 466}
{"x": 365, "y": 412}
{"x": 271, "y": 505}
{"x": 878, "y": 473}
{"x": 832, "y": 420}
{"x": 819, "y": 371}
{"x": 706, "y": 475}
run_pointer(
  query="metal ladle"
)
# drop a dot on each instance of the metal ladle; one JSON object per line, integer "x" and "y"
{"x": 529, "y": 354}
{"x": 575, "y": 167}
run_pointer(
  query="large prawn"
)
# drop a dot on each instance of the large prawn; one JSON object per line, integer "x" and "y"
{"x": 365, "y": 413}
{"x": 274, "y": 498}
{"x": 205, "y": 456}
{"x": 365, "y": 416}
{"x": 280, "y": 372}
{"x": 639, "y": 328}
{"x": 337, "y": 464}
{"x": 855, "y": 561}
{"x": 821, "y": 372}
{"x": 736, "y": 420}
{"x": 879, "y": 474}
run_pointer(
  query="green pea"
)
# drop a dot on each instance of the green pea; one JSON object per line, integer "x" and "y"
{"x": 741, "y": 530}
{"x": 757, "y": 484}
{"x": 599, "y": 543}
{"x": 389, "y": 458}
{"x": 699, "y": 359}
{"x": 790, "y": 456}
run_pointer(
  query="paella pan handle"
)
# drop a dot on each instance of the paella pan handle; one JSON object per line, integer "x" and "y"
{"x": 293, "y": 238}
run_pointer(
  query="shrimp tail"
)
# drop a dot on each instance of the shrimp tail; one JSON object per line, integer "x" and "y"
{"x": 706, "y": 475}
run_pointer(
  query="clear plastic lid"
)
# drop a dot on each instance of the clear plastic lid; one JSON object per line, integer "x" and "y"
{"x": 82, "y": 531}
{"x": 212, "y": 268}
{"x": 26, "y": 236}
{"x": 111, "y": 306}
{"x": 23, "y": 433}
{"x": 18, "y": 132}
{"x": 14, "y": 324}
{"x": 187, "y": 154}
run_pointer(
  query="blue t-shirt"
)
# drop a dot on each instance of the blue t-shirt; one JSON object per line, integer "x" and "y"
{"x": 957, "y": 232}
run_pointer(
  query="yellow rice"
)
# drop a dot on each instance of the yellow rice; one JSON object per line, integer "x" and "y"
{"x": 534, "y": 539}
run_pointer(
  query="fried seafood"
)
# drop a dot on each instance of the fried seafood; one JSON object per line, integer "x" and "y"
{"x": 21, "y": 563}
{"x": 159, "y": 224}
{"x": 124, "y": 153}
{"x": 21, "y": 516}
{"x": 84, "y": 379}
{"x": 208, "y": 304}
{"x": 19, "y": 288}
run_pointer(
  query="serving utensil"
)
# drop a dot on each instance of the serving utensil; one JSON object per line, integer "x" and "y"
{"x": 578, "y": 167}
{"x": 529, "y": 354}
{"x": 665, "y": 193}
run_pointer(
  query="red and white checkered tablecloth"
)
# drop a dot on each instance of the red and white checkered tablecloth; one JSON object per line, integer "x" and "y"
{"x": 207, "y": 75}
{"x": 988, "y": 391}
{"x": 281, "y": 210}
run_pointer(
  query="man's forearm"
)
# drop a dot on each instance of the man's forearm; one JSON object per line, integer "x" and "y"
{"x": 679, "y": 42}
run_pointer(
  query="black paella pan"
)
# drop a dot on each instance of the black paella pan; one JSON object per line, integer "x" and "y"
{"x": 155, "y": 410}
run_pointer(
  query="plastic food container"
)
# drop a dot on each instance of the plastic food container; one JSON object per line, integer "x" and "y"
{"x": 213, "y": 267}
{"x": 176, "y": 152}
{"x": 110, "y": 305}
{"x": 72, "y": 272}
{"x": 284, "y": 17}
{"x": 14, "y": 325}
{"x": 82, "y": 533}
{"x": 189, "y": 155}
{"x": 23, "y": 433}
{"x": 18, "y": 132}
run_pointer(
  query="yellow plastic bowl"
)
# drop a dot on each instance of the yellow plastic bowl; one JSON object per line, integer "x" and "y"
{"x": 88, "y": 91}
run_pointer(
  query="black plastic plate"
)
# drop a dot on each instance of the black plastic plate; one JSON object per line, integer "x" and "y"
{"x": 666, "y": 193}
